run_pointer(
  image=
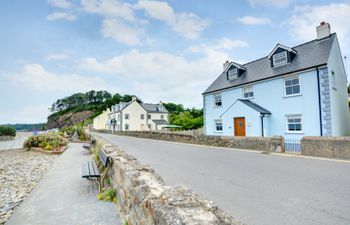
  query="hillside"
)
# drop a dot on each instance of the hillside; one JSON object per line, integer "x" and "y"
{"x": 81, "y": 107}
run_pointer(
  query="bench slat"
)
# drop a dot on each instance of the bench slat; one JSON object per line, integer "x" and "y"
{"x": 90, "y": 170}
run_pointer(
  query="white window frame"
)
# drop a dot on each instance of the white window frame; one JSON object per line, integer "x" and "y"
{"x": 216, "y": 96}
{"x": 142, "y": 116}
{"x": 126, "y": 116}
{"x": 248, "y": 90}
{"x": 149, "y": 116}
{"x": 216, "y": 126}
{"x": 294, "y": 116}
{"x": 285, "y": 86}
{"x": 232, "y": 74}
{"x": 162, "y": 117}
{"x": 278, "y": 57}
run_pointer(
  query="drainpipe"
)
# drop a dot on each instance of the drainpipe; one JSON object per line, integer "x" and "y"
{"x": 319, "y": 100}
{"x": 262, "y": 124}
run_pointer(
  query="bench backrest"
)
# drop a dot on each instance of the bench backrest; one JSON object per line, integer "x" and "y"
{"x": 104, "y": 158}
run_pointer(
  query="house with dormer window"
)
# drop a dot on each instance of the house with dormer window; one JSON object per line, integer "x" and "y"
{"x": 293, "y": 91}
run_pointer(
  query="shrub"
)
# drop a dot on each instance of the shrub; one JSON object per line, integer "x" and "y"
{"x": 7, "y": 131}
{"x": 49, "y": 141}
{"x": 83, "y": 136}
{"x": 107, "y": 195}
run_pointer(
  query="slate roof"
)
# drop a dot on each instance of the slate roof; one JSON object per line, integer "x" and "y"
{"x": 160, "y": 122}
{"x": 255, "y": 106}
{"x": 154, "y": 108}
{"x": 309, "y": 55}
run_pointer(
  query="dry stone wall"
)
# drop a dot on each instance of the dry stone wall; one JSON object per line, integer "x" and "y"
{"x": 329, "y": 147}
{"x": 267, "y": 144}
{"x": 146, "y": 199}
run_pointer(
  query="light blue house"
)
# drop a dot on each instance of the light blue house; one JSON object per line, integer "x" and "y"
{"x": 293, "y": 92}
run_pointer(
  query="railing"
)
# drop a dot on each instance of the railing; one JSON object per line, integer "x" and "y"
{"x": 292, "y": 145}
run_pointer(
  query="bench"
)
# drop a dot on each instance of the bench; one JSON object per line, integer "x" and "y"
{"x": 91, "y": 171}
{"x": 88, "y": 146}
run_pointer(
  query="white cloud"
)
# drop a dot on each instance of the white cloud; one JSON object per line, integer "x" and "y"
{"x": 302, "y": 24}
{"x": 158, "y": 75}
{"x": 64, "y": 4}
{"x": 273, "y": 3}
{"x": 61, "y": 16}
{"x": 58, "y": 56}
{"x": 110, "y": 9}
{"x": 187, "y": 24}
{"x": 121, "y": 32}
{"x": 35, "y": 77}
{"x": 25, "y": 114}
{"x": 252, "y": 20}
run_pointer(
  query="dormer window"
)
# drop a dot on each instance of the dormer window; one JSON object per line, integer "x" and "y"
{"x": 232, "y": 74}
{"x": 280, "y": 58}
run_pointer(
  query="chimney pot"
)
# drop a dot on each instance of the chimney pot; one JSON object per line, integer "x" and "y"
{"x": 323, "y": 30}
{"x": 226, "y": 64}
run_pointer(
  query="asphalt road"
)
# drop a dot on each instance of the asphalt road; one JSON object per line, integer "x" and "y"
{"x": 256, "y": 188}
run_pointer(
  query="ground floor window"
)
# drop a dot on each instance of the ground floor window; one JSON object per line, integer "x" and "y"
{"x": 126, "y": 126}
{"x": 218, "y": 125}
{"x": 294, "y": 123}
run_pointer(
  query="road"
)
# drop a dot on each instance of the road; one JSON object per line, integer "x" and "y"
{"x": 16, "y": 143}
{"x": 259, "y": 189}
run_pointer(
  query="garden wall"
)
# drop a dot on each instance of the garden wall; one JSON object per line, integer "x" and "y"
{"x": 145, "y": 199}
{"x": 330, "y": 147}
{"x": 267, "y": 144}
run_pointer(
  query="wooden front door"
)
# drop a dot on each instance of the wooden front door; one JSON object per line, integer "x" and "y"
{"x": 239, "y": 126}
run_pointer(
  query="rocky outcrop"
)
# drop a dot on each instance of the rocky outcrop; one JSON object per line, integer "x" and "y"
{"x": 145, "y": 199}
{"x": 68, "y": 119}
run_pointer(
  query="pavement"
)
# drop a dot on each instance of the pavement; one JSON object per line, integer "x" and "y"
{"x": 17, "y": 143}
{"x": 63, "y": 197}
{"x": 258, "y": 189}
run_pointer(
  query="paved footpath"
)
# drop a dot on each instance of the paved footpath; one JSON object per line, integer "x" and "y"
{"x": 63, "y": 197}
{"x": 259, "y": 189}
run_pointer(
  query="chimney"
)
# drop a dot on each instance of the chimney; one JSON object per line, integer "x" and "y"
{"x": 226, "y": 64}
{"x": 133, "y": 98}
{"x": 323, "y": 30}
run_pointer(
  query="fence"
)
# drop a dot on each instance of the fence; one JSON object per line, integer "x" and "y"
{"x": 292, "y": 145}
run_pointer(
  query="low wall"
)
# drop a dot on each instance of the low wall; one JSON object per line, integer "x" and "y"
{"x": 267, "y": 144}
{"x": 329, "y": 147}
{"x": 6, "y": 138}
{"x": 145, "y": 199}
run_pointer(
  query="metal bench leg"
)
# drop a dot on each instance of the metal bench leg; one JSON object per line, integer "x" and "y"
{"x": 103, "y": 177}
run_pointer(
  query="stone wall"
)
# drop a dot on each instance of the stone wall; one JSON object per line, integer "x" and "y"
{"x": 145, "y": 199}
{"x": 330, "y": 147}
{"x": 267, "y": 144}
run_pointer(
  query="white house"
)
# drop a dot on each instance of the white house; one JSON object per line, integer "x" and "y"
{"x": 135, "y": 116}
{"x": 293, "y": 92}
{"x": 100, "y": 121}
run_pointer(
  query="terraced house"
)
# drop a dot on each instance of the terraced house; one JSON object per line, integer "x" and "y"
{"x": 135, "y": 116}
{"x": 293, "y": 92}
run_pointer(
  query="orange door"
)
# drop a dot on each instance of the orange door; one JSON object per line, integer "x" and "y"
{"x": 239, "y": 126}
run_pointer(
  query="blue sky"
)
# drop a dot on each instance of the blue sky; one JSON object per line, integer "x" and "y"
{"x": 159, "y": 50}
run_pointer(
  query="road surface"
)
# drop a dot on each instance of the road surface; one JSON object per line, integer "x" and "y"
{"x": 258, "y": 189}
{"x": 17, "y": 143}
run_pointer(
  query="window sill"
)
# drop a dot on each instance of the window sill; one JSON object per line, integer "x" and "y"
{"x": 294, "y": 95}
{"x": 249, "y": 98}
{"x": 217, "y": 107}
{"x": 219, "y": 132}
{"x": 294, "y": 132}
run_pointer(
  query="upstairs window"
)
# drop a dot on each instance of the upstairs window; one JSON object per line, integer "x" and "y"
{"x": 218, "y": 102}
{"x": 279, "y": 58}
{"x": 218, "y": 125}
{"x": 142, "y": 116}
{"x": 292, "y": 86}
{"x": 162, "y": 117}
{"x": 232, "y": 74}
{"x": 149, "y": 116}
{"x": 294, "y": 123}
{"x": 248, "y": 92}
{"x": 126, "y": 116}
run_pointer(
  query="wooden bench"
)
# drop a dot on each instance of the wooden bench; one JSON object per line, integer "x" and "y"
{"x": 90, "y": 145}
{"x": 91, "y": 171}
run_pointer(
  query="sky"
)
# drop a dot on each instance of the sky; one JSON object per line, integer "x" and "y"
{"x": 168, "y": 51}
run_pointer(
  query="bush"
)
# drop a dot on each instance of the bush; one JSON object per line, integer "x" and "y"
{"x": 49, "y": 141}
{"x": 107, "y": 195}
{"x": 7, "y": 131}
{"x": 83, "y": 136}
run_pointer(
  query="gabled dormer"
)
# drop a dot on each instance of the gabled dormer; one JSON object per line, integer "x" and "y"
{"x": 233, "y": 70}
{"x": 281, "y": 55}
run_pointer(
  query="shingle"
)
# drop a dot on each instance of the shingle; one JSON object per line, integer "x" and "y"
{"x": 154, "y": 107}
{"x": 310, "y": 54}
